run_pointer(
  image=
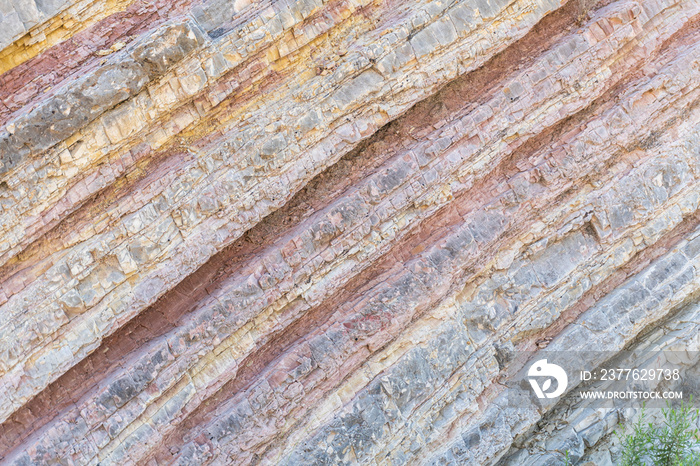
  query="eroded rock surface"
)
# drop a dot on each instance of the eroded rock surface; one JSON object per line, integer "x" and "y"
{"x": 307, "y": 232}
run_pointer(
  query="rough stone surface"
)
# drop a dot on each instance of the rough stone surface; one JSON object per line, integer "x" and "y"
{"x": 311, "y": 231}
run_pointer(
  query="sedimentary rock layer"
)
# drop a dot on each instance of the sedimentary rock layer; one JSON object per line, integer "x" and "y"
{"x": 307, "y": 232}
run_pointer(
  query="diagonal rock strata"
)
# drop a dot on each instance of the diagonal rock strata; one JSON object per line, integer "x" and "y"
{"x": 305, "y": 232}
{"x": 119, "y": 300}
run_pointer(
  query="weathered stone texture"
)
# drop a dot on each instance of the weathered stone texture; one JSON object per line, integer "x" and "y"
{"x": 306, "y": 232}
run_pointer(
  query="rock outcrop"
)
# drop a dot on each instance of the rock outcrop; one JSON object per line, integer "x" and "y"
{"x": 312, "y": 232}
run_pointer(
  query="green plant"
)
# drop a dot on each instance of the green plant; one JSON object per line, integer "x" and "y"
{"x": 634, "y": 445}
{"x": 567, "y": 460}
{"x": 667, "y": 445}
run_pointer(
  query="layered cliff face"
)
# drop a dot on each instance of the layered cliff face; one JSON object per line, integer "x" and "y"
{"x": 311, "y": 232}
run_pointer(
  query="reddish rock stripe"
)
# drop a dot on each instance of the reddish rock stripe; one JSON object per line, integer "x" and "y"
{"x": 33, "y": 81}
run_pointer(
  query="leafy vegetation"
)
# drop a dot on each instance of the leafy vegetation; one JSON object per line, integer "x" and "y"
{"x": 670, "y": 444}
{"x": 674, "y": 443}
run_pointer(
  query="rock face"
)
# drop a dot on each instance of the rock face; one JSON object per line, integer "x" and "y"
{"x": 311, "y": 231}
